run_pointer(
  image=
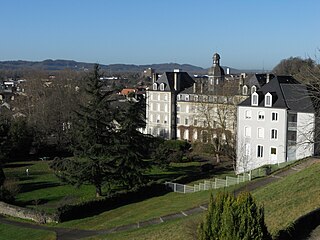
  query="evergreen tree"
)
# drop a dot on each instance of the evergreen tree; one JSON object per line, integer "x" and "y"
{"x": 94, "y": 133}
{"x": 131, "y": 144}
{"x": 231, "y": 218}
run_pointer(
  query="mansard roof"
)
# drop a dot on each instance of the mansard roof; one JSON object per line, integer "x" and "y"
{"x": 183, "y": 78}
{"x": 286, "y": 93}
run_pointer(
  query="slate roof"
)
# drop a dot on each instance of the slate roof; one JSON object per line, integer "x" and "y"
{"x": 259, "y": 79}
{"x": 182, "y": 77}
{"x": 286, "y": 93}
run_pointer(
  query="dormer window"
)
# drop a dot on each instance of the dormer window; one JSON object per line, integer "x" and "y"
{"x": 155, "y": 86}
{"x": 268, "y": 100}
{"x": 244, "y": 90}
{"x": 161, "y": 86}
{"x": 254, "y": 99}
{"x": 253, "y": 89}
{"x": 187, "y": 97}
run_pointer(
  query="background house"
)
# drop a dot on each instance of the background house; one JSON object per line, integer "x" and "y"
{"x": 276, "y": 124}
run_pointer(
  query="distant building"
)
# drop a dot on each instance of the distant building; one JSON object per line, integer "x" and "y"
{"x": 276, "y": 124}
{"x": 148, "y": 73}
{"x": 199, "y": 108}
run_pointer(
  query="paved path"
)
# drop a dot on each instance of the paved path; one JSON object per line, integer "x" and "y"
{"x": 73, "y": 234}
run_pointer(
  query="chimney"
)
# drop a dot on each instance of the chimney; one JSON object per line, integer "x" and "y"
{"x": 201, "y": 88}
{"x": 268, "y": 78}
{"x": 154, "y": 77}
{"x": 175, "y": 79}
{"x": 194, "y": 87}
{"x": 228, "y": 71}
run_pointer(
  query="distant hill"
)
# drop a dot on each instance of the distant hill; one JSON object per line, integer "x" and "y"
{"x": 56, "y": 65}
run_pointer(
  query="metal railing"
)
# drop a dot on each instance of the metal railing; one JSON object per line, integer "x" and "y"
{"x": 208, "y": 184}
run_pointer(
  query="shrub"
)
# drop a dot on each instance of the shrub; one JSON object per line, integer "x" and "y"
{"x": 9, "y": 190}
{"x": 231, "y": 218}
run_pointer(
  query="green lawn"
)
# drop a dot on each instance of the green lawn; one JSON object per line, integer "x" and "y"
{"x": 18, "y": 233}
{"x": 284, "y": 201}
{"x": 42, "y": 190}
{"x": 151, "y": 208}
{"x": 179, "y": 229}
{"x": 290, "y": 198}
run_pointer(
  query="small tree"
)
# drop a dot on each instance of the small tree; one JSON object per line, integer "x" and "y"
{"x": 231, "y": 218}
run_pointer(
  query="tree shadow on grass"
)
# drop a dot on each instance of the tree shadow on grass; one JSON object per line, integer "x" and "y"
{"x": 17, "y": 165}
{"x": 27, "y": 187}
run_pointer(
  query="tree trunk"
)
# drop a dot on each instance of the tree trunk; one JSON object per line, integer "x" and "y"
{"x": 2, "y": 176}
{"x": 218, "y": 158}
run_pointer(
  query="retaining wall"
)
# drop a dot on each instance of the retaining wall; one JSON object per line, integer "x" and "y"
{"x": 24, "y": 213}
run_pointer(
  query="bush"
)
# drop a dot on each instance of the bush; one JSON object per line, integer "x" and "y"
{"x": 231, "y": 218}
{"x": 118, "y": 199}
{"x": 9, "y": 190}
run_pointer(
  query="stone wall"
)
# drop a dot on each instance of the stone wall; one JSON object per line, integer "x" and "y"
{"x": 24, "y": 213}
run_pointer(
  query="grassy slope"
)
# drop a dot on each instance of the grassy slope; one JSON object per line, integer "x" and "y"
{"x": 290, "y": 198}
{"x": 18, "y": 233}
{"x": 141, "y": 211}
{"x": 41, "y": 189}
{"x": 284, "y": 201}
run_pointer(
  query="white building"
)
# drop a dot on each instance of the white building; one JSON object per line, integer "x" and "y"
{"x": 276, "y": 124}
{"x": 195, "y": 109}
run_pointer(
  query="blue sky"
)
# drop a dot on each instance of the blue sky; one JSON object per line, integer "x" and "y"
{"x": 248, "y": 34}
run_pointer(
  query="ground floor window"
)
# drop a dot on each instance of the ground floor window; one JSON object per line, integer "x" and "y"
{"x": 260, "y": 151}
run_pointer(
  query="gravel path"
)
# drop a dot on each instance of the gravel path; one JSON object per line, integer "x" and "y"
{"x": 73, "y": 234}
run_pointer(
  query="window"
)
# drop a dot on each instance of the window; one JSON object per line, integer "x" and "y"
{"x": 273, "y": 151}
{"x": 158, "y": 118}
{"x": 254, "y": 99}
{"x": 244, "y": 90}
{"x": 186, "y": 121}
{"x": 166, "y": 107}
{"x": 274, "y": 134}
{"x": 274, "y": 116}
{"x": 248, "y": 114}
{"x": 196, "y": 98}
{"x": 260, "y": 115}
{"x": 187, "y": 109}
{"x": 178, "y": 108}
{"x": 162, "y": 86}
{"x": 159, "y": 97}
{"x": 165, "y": 119}
{"x": 268, "y": 100}
{"x": 166, "y": 97}
{"x": 195, "y": 122}
{"x": 253, "y": 89}
{"x": 155, "y": 86}
{"x": 260, "y": 133}
{"x": 248, "y": 148}
{"x": 158, "y": 107}
{"x": 187, "y": 97}
{"x": 179, "y": 97}
{"x": 151, "y": 118}
{"x": 260, "y": 151}
{"x": 178, "y": 120}
{"x": 247, "y": 131}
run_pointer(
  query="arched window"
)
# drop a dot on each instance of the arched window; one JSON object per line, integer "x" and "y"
{"x": 253, "y": 89}
{"x": 155, "y": 86}
{"x": 162, "y": 86}
{"x": 244, "y": 90}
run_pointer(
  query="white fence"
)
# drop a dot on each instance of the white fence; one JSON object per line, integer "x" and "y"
{"x": 206, "y": 185}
